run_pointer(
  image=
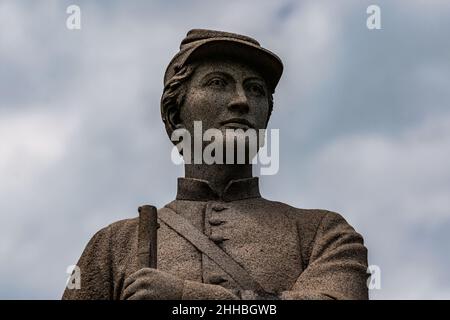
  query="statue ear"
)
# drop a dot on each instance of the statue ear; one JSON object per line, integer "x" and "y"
{"x": 173, "y": 119}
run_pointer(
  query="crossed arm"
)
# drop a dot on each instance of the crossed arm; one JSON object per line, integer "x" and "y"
{"x": 336, "y": 270}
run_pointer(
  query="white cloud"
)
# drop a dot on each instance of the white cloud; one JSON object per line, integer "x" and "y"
{"x": 407, "y": 172}
{"x": 308, "y": 40}
{"x": 29, "y": 144}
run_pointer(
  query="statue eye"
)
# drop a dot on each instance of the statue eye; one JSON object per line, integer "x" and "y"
{"x": 256, "y": 89}
{"x": 217, "y": 82}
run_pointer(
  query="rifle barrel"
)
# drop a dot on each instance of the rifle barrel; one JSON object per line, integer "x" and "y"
{"x": 147, "y": 236}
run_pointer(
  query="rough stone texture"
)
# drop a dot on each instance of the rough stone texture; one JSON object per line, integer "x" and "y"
{"x": 303, "y": 254}
{"x": 291, "y": 253}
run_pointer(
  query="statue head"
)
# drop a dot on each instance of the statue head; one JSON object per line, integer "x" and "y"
{"x": 222, "y": 79}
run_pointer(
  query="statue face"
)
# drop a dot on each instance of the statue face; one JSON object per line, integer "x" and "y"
{"x": 225, "y": 94}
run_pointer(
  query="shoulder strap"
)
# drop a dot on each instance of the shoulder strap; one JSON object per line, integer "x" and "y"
{"x": 199, "y": 240}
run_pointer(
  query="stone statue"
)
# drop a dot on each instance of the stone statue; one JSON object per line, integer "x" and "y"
{"x": 219, "y": 239}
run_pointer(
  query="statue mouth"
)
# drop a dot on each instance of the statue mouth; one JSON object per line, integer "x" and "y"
{"x": 237, "y": 123}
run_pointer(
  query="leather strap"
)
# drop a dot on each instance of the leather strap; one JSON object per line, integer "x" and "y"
{"x": 200, "y": 241}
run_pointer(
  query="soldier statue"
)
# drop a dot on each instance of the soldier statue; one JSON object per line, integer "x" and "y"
{"x": 220, "y": 239}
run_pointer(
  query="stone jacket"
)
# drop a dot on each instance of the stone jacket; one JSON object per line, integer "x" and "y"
{"x": 301, "y": 253}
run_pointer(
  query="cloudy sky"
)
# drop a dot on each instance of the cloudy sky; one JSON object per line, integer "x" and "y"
{"x": 364, "y": 121}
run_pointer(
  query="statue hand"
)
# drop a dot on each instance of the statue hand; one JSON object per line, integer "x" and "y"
{"x": 152, "y": 284}
{"x": 194, "y": 290}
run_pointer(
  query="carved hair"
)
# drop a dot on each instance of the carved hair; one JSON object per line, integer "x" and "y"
{"x": 174, "y": 93}
{"x": 173, "y": 96}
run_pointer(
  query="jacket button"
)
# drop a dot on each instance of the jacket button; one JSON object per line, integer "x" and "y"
{"x": 218, "y": 207}
{"x": 215, "y": 221}
{"x": 217, "y": 238}
{"x": 216, "y": 279}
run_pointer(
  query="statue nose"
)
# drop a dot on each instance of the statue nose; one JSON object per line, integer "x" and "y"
{"x": 239, "y": 102}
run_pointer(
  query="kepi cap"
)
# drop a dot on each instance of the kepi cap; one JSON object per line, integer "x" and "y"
{"x": 201, "y": 44}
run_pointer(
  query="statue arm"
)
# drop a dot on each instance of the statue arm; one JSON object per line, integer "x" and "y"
{"x": 95, "y": 270}
{"x": 337, "y": 265}
{"x": 154, "y": 284}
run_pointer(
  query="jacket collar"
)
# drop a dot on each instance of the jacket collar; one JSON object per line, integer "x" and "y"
{"x": 200, "y": 190}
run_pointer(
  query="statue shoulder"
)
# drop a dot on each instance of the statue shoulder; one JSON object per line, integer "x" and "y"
{"x": 115, "y": 235}
{"x": 122, "y": 231}
{"x": 306, "y": 217}
{"x": 313, "y": 221}
{"x": 319, "y": 229}
{"x": 310, "y": 222}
